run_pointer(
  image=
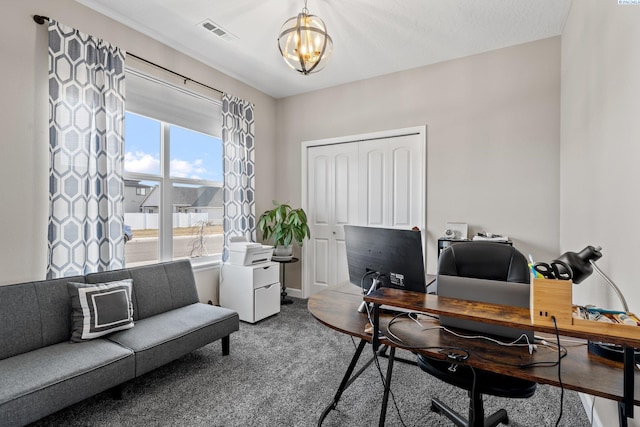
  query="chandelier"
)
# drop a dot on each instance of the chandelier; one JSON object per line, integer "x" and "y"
{"x": 304, "y": 43}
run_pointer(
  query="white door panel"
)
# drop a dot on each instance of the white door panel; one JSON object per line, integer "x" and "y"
{"x": 321, "y": 257}
{"x": 392, "y": 181}
{"x": 332, "y": 187}
{"x": 376, "y": 180}
{"x": 372, "y": 176}
{"x": 411, "y": 182}
{"x": 341, "y": 261}
{"x": 401, "y": 190}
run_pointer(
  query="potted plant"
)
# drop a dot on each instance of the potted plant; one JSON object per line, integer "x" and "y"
{"x": 284, "y": 225}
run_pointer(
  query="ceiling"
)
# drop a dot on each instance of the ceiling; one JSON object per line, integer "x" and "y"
{"x": 370, "y": 37}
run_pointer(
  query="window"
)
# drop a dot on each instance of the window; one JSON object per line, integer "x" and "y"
{"x": 173, "y": 173}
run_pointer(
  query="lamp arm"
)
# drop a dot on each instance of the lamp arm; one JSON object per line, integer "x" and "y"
{"x": 613, "y": 285}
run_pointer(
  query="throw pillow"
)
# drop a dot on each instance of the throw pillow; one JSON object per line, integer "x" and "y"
{"x": 99, "y": 309}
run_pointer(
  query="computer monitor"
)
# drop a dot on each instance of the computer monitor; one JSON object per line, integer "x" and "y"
{"x": 393, "y": 256}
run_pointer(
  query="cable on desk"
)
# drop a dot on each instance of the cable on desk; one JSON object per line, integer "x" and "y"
{"x": 575, "y": 343}
{"x": 353, "y": 341}
{"x": 364, "y": 276}
{"x": 392, "y": 337}
{"x": 513, "y": 343}
{"x": 412, "y": 316}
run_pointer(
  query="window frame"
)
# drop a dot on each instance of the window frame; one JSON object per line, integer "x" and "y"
{"x": 187, "y": 114}
{"x": 166, "y": 183}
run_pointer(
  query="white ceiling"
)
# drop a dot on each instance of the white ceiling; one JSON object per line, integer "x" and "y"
{"x": 370, "y": 37}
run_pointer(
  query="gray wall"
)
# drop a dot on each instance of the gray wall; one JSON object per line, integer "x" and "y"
{"x": 493, "y": 140}
{"x": 600, "y": 150}
{"x": 24, "y": 115}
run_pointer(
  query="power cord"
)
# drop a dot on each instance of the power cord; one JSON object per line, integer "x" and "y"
{"x": 555, "y": 327}
{"x": 513, "y": 343}
{"x": 394, "y": 338}
{"x": 382, "y": 378}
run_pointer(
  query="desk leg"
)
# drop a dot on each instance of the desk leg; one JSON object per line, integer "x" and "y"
{"x": 375, "y": 340}
{"x": 346, "y": 380}
{"x": 622, "y": 418}
{"x": 625, "y": 408}
{"x": 387, "y": 387}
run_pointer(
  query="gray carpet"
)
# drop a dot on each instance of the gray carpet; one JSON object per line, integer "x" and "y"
{"x": 283, "y": 371}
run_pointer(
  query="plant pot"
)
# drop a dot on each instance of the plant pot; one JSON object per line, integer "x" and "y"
{"x": 283, "y": 253}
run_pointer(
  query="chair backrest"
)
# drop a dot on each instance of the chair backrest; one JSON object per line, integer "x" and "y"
{"x": 483, "y": 269}
{"x": 484, "y": 260}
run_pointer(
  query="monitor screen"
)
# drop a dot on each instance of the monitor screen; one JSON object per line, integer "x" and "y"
{"x": 393, "y": 256}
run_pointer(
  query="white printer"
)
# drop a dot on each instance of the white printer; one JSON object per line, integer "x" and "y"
{"x": 242, "y": 252}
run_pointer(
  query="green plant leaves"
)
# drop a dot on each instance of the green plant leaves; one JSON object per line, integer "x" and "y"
{"x": 284, "y": 224}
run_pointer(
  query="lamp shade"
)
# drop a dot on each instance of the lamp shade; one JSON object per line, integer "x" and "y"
{"x": 580, "y": 262}
{"x": 304, "y": 43}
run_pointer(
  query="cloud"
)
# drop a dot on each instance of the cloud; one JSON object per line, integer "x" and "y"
{"x": 145, "y": 163}
{"x": 186, "y": 169}
{"x": 141, "y": 163}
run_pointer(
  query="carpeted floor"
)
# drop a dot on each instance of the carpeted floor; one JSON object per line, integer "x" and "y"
{"x": 284, "y": 371}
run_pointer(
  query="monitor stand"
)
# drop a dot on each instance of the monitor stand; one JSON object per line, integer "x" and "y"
{"x": 374, "y": 285}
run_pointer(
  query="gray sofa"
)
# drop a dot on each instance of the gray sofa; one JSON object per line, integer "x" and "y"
{"x": 41, "y": 371}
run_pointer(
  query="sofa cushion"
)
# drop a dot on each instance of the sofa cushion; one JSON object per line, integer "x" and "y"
{"x": 19, "y": 320}
{"x": 39, "y": 382}
{"x": 55, "y": 309}
{"x": 157, "y": 288}
{"x": 100, "y": 308}
{"x": 167, "y": 336}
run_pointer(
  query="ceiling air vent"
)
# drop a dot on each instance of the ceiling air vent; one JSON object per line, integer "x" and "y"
{"x": 216, "y": 30}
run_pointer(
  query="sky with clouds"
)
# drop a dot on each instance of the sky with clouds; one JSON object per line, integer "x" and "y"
{"x": 193, "y": 154}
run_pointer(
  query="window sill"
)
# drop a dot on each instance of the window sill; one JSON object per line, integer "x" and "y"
{"x": 206, "y": 262}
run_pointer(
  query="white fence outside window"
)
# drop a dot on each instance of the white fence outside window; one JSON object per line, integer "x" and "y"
{"x": 149, "y": 221}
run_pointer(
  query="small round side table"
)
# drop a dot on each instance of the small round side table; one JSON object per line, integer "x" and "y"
{"x": 283, "y": 294}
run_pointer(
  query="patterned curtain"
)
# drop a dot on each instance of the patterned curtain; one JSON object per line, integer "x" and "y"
{"x": 238, "y": 139}
{"x": 86, "y": 144}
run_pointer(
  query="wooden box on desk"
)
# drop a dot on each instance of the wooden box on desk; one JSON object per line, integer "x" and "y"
{"x": 551, "y": 298}
{"x": 612, "y": 329}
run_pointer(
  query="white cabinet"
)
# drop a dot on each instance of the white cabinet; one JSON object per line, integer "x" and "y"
{"x": 251, "y": 290}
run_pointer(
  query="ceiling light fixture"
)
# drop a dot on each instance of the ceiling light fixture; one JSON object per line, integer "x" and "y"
{"x": 304, "y": 43}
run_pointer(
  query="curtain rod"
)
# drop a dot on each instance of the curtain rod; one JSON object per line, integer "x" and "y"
{"x": 40, "y": 19}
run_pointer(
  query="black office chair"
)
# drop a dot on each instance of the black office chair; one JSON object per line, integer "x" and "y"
{"x": 482, "y": 260}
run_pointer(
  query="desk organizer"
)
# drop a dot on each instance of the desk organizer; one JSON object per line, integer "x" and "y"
{"x": 551, "y": 298}
{"x": 613, "y": 329}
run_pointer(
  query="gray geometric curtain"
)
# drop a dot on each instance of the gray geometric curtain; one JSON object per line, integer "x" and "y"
{"x": 238, "y": 138}
{"x": 86, "y": 143}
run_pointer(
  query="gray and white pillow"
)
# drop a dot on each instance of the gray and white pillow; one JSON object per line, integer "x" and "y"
{"x": 99, "y": 309}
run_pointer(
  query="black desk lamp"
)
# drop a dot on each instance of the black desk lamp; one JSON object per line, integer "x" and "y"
{"x": 582, "y": 264}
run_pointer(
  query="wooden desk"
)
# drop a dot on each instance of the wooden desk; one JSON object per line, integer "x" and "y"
{"x": 580, "y": 370}
{"x": 337, "y": 309}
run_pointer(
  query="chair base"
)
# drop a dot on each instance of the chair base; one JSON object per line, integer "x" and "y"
{"x": 493, "y": 420}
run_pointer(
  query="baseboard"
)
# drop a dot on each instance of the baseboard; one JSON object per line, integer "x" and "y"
{"x": 587, "y": 403}
{"x": 296, "y": 293}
